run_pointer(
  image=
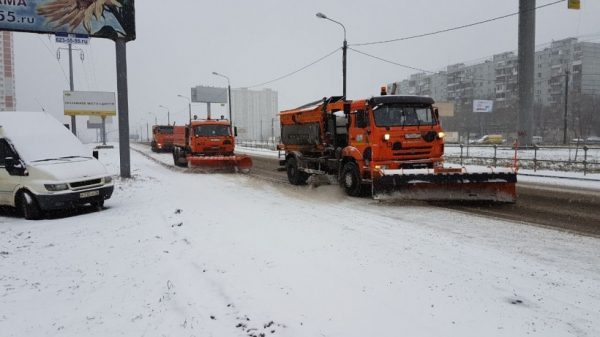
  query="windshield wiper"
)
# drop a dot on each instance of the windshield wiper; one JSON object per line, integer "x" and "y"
{"x": 59, "y": 158}
{"x": 69, "y": 157}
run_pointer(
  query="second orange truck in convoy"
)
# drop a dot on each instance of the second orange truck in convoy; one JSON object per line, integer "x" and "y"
{"x": 162, "y": 138}
{"x": 385, "y": 145}
{"x": 207, "y": 144}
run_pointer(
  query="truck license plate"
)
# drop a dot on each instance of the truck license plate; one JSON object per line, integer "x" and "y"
{"x": 89, "y": 194}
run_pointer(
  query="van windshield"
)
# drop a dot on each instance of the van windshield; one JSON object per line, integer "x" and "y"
{"x": 211, "y": 130}
{"x": 403, "y": 115}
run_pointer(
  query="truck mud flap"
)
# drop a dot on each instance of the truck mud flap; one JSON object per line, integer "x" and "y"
{"x": 242, "y": 163}
{"x": 481, "y": 186}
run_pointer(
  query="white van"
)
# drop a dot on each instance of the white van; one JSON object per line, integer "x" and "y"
{"x": 43, "y": 166}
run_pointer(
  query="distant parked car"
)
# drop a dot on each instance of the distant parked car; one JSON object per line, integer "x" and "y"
{"x": 489, "y": 139}
{"x": 593, "y": 140}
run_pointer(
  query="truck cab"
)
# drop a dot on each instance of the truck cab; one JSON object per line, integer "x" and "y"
{"x": 162, "y": 138}
{"x": 396, "y": 132}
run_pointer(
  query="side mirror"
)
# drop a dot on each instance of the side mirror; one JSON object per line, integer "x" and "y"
{"x": 436, "y": 113}
{"x": 361, "y": 119}
{"x": 95, "y": 154}
{"x": 15, "y": 167}
{"x": 235, "y": 131}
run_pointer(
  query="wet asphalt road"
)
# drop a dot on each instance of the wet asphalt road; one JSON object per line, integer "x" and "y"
{"x": 565, "y": 208}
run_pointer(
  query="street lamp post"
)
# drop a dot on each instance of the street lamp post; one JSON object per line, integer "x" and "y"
{"x": 168, "y": 114}
{"x": 189, "y": 106}
{"x": 344, "y": 51}
{"x": 228, "y": 94}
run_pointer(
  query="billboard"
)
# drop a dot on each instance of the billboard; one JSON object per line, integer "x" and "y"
{"x": 89, "y": 103}
{"x": 110, "y": 19}
{"x": 202, "y": 94}
{"x": 480, "y": 105}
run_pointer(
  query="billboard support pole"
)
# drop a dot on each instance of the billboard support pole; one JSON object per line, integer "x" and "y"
{"x": 104, "y": 130}
{"x": 72, "y": 87}
{"x": 121, "y": 58}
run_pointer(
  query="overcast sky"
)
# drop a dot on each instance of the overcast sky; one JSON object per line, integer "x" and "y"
{"x": 180, "y": 43}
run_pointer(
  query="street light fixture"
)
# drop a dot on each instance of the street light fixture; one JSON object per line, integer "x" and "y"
{"x": 228, "y": 94}
{"x": 344, "y": 50}
{"x": 168, "y": 114}
{"x": 189, "y": 106}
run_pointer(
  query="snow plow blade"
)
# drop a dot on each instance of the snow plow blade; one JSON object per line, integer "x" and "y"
{"x": 240, "y": 162}
{"x": 451, "y": 184}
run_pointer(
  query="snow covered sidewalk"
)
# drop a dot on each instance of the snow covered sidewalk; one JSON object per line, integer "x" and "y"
{"x": 179, "y": 254}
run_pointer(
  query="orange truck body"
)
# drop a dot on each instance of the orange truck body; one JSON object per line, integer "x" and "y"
{"x": 385, "y": 145}
{"x": 162, "y": 138}
{"x": 207, "y": 144}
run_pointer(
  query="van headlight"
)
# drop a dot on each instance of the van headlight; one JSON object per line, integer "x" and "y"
{"x": 386, "y": 137}
{"x": 441, "y": 135}
{"x": 107, "y": 179}
{"x": 56, "y": 187}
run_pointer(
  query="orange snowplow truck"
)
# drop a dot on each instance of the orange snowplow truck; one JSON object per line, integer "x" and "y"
{"x": 387, "y": 146}
{"x": 162, "y": 138}
{"x": 207, "y": 144}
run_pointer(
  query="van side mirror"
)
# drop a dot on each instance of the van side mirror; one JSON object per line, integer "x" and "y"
{"x": 361, "y": 119}
{"x": 15, "y": 167}
{"x": 436, "y": 113}
{"x": 95, "y": 154}
{"x": 235, "y": 131}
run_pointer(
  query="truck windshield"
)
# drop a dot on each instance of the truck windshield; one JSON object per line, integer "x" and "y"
{"x": 164, "y": 129}
{"x": 211, "y": 130}
{"x": 403, "y": 115}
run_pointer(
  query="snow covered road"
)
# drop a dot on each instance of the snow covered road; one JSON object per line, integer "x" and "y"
{"x": 179, "y": 254}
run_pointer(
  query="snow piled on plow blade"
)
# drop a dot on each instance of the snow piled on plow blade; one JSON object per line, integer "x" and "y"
{"x": 498, "y": 185}
{"x": 241, "y": 162}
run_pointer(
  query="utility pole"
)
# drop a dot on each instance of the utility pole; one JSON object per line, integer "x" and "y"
{"x": 566, "y": 107}
{"x": 123, "y": 106}
{"x": 72, "y": 88}
{"x": 526, "y": 71}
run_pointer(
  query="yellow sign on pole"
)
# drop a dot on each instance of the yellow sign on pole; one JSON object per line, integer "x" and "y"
{"x": 574, "y": 4}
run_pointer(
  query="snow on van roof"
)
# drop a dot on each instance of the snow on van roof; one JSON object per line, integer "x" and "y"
{"x": 39, "y": 136}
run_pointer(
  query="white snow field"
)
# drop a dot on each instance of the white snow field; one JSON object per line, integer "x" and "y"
{"x": 181, "y": 254}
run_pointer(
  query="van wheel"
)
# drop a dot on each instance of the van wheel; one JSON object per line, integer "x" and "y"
{"x": 295, "y": 176}
{"x": 351, "y": 180}
{"x": 28, "y": 206}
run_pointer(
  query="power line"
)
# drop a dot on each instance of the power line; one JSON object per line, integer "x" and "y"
{"x": 392, "y": 62}
{"x": 293, "y": 72}
{"x": 54, "y": 57}
{"x": 453, "y": 28}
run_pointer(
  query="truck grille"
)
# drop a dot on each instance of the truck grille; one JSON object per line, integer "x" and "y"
{"x": 416, "y": 152}
{"x": 85, "y": 183}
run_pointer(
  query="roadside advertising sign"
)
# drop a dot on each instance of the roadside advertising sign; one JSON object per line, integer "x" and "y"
{"x": 110, "y": 19}
{"x": 480, "y": 105}
{"x": 72, "y": 38}
{"x": 203, "y": 94}
{"x": 89, "y": 103}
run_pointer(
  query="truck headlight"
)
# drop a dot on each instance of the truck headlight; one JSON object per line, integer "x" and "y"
{"x": 56, "y": 187}
{"x": 386, "y": 137}
{"x": 441, "y": 135}
{"x": 107, "y": 179}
